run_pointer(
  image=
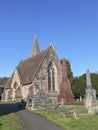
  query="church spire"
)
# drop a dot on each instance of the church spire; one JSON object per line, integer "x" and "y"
{"x": 35, "y": 50}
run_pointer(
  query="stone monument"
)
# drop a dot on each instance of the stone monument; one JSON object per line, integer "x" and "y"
{"x": 90, "y": 96}
{"x": 40, "y": 98}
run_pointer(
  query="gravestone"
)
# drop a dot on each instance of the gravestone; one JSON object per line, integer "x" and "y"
{"x": 81, "y": 99}
{"x": 90, "y": 96}
{"x": 40, "y": 99}
{"x": 90, "y": 101}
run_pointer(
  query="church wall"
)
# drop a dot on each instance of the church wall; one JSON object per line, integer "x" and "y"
{"x": 29, "y": 90}
{"x": 5, "y": 95}
{"x": 25, "y": 91}
{"x": 15, "y": 79}
{"x": 50, "y": 66}
{"x": 9, "y": 94}
{"x": 15, "y": 85}
{"x": 51, "y": 57}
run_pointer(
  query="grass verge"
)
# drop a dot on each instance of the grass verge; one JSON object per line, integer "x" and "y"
{"x": 9, "y": 120}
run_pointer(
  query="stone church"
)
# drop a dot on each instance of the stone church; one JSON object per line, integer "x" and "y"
{"x": 42, "y": 70}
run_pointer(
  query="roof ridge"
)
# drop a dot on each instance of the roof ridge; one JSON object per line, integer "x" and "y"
{"x": 18, "y": 71}
{"x": 19, "y": 74}
{"x": 41, "y": 61}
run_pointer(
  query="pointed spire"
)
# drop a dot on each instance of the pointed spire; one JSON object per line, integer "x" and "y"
{"x": 35, "y": 50}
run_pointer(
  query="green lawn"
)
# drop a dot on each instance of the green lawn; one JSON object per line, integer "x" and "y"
{"x": 83, "y": 121}
{"x": 9, "y": 121}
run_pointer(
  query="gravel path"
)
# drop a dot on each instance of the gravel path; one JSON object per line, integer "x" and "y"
{"x": 31, "y": 121}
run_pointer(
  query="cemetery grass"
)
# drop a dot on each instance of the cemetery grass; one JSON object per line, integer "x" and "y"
{"x": 68, "y": 122}
{"x": 9, "y": 120}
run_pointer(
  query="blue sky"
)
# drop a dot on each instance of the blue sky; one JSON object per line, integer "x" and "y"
{"x": 70, "y": 25}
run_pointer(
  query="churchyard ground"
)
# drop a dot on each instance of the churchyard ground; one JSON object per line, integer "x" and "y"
{"x": 10, "y": 121}
{"x": 83, "y": 120}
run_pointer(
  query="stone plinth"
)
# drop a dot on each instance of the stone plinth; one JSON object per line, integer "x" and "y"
{"x": 93, "y": 110}
{"x": 90, "y": 98}
{"x": 40, "y": 97}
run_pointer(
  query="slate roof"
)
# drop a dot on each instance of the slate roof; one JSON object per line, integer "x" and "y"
{"x": 28, "y": 68}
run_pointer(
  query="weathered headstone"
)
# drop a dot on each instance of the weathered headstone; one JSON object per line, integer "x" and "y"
{"x": 81, "y": 99}
{"x": 62, "y": 102}
{"x": 33, "y": 104}
{"x": 90, "y": 96}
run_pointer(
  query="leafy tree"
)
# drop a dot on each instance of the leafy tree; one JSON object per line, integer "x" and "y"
{"x": 2, "y": 83}
{"x": 94, "y": 79}
{"x": 1, "y": 91}
{"x": 3, "y": 80}
{"x": 79, "y": 84}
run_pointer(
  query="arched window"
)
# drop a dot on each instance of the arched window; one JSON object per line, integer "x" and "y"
{"x": 52, "y": 77}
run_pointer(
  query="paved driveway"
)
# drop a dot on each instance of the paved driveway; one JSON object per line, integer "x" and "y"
{"x": 32, "y": 121}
